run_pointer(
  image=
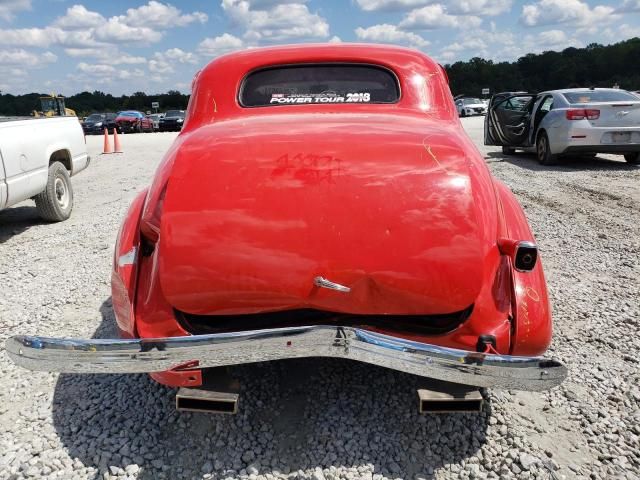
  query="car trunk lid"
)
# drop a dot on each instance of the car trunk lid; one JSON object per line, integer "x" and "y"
{"x": 258, "y": 208}
{"x": 614, "y": 114}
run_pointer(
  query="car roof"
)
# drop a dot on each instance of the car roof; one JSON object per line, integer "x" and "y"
{"x": 583, "y": 89}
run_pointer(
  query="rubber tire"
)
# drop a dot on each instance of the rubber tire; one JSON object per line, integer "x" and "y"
{"x": 632, "y": 158}
{"x": 508, "y": 150}
{"x": 47, "y": 204}
{"x": 546, "y": 158}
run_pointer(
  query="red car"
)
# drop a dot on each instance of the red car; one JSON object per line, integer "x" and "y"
{"x": 131, "y": 121}
{"x": 322, "y": 201}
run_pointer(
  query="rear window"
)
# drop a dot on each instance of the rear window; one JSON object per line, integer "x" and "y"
{"x": 599, "y": 96}
{"x": 319, "y": 84}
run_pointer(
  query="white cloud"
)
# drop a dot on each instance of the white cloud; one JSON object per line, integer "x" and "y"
{"x": 164, "y": 62}
{"x": 180, "y": 56}
{"x": 27, "y": 37}
{"x": 373, "y": 5}
{"x": 78, "y": 17}
{"x": 574, "y": 12}
{"x": 106, "y": 55}
{"x": 102, "y": 73}
{"x": 160, "y": 66}
{"x": 115, "y": 30}
{"x": 622, "y": 31}
{"x": 214, "y": 47}
{"x": 275, "y": 22}
{"x": 385, "y": 33}
{"x": 24, "y": 58}
{"x": 458, "y": 7}
{"x": 9, "y": 7}
{"x": 160, "y": 15}
{"x": 506, "y": 45}
{"x": 335, "y": 39}
{"x": 630, "y": 6}
{"x": 96, "y": 69}
{"x": 435, "y": 16}
{"x": 84, "y": 29}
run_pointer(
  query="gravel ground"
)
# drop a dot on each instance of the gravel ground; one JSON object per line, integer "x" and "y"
{"x": 327, "y": 419}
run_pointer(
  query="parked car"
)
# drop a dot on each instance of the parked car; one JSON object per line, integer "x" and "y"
{"x": 155, "y": 118}
{"x": 172, "y": 121}
{"x": 133, "y": 121}
{"x": 37, "y": 158}
{"x": 572, "y": 121}
{"x": 97, "y": 122}
{"x": 315, "y": 211}
{"x": 470, "y": 106}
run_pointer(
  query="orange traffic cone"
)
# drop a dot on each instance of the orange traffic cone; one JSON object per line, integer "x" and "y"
{"x": 107, "y": 146}
{"x": 116, "y": 142}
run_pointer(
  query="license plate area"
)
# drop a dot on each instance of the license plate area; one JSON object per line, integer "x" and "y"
{"x": 620, "y": 137}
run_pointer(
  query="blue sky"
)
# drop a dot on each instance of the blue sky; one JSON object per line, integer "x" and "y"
{"x": 126, "y": 46}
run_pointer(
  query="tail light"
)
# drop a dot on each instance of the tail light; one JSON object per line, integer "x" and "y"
{"x": 524, "y": 254}
{"x": 582, "y": 113}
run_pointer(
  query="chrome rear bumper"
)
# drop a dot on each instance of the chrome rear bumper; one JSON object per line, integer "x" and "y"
{"x": 160, "y": 354}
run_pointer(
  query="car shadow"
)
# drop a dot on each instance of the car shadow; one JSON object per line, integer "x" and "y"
{"x": 569, "y": 163}
{"x": 17, "y": 220}
{"x": 293, "y": 415}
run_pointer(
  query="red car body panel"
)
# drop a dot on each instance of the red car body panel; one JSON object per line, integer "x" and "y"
{"x": 393, "y": 200}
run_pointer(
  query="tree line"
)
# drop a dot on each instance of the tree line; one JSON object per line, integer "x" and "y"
{"x": 595, "y": 65}
{"x": 85, "y": 103}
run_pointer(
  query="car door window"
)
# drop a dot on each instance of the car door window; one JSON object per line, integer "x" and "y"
{"x": 546, "y": 105}
{"x": 518, "y": 104}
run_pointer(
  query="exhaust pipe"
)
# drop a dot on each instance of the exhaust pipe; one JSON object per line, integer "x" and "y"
{"x": 219, "y": 394}
{"x": 207, "y": 401}
{"x": 450, "y": 398}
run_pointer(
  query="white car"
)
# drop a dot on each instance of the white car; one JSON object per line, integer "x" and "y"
{"x": 470, "y": 106}
{"x": 37, "y": 158}
{"x": 156, "y": 117}
{"x": 579, "y": 121}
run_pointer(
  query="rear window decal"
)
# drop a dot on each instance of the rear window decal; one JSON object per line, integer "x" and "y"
{"x": 295, "y": 98}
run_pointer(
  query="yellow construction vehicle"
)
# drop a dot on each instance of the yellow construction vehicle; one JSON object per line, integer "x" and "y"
{"x": 53, "y": 106}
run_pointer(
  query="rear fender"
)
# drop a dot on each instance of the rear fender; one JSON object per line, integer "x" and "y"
{"x": 530, "y": 309}
{"x": 124, "y": 271}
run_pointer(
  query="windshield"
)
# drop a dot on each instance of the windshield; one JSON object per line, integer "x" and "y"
{"x": 94, "y": 117}
{"x": 175, "y": 113}
{"x": 313, "y": 84}
{"x": 472, "y": 101}
{"x": 129, "y": 114}
{"x": 587, "y": 96}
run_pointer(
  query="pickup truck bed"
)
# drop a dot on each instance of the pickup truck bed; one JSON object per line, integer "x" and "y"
{"x": 37, "y": 158}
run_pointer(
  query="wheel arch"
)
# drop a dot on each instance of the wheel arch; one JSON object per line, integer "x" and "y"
{"x": 61, "y": 154}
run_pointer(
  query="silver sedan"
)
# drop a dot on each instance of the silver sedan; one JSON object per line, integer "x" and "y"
{"x": 572, "y": 121}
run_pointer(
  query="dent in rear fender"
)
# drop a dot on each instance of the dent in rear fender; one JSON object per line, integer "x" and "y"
{"x": 530, "y": 310}
{"x": 124, "y": 271}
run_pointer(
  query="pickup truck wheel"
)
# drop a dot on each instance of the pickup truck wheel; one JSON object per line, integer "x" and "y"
{"x": 545, "y": 157}
{"x": 508, "y": 150}
{"x": 632, "y": 158}
{"x": 55, "y": 202}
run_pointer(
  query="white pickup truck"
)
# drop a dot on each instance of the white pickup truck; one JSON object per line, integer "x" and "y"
{"x": 37, "y": 158}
